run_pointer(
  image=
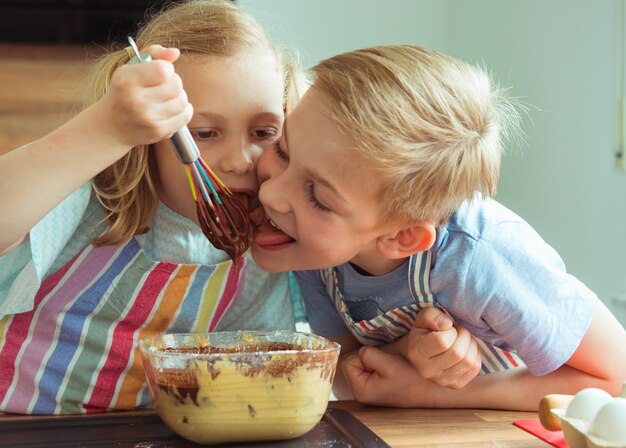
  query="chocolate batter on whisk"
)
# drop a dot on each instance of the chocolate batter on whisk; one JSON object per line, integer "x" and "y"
{"x": 223, "y": 219}
{"x": 233, "y": 243}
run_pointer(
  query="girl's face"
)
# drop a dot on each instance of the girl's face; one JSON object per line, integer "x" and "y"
{"x": 323, "y": 203}
{"x": 238, "y": 114}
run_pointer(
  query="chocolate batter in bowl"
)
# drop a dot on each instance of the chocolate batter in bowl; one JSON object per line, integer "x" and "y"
{"x": 239, "y": 386}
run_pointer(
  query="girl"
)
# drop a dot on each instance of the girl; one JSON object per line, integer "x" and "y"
{"x": 99, "y": 240}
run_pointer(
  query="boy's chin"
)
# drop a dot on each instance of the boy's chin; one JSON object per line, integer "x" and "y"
{"x": 268, "y": 264}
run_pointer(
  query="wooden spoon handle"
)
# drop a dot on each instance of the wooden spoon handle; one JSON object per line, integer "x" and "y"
{"x": 554, "y": 401}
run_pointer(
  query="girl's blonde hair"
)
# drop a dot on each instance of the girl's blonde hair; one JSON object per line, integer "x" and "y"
{"x": 434, "y": 125}
{"x": 126, "y": 189}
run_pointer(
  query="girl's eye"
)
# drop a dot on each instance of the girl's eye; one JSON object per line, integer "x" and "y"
{"x": 313, "y": 200}
{"x": 203, "y": 134}
{"x": 264, "y": 133}
{"x": 280, "y": 152}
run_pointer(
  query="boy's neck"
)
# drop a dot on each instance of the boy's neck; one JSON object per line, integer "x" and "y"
{"x": 380, "y": 267}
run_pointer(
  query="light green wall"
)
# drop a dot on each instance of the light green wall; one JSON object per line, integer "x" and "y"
{"x": 322, "y": 28}
{"x": 558, "y": 56}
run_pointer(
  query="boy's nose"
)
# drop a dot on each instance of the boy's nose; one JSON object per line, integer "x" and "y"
{"x": 272, "y": 195}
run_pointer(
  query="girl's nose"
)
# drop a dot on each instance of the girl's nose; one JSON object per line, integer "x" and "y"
{"x": 239, "y": 158}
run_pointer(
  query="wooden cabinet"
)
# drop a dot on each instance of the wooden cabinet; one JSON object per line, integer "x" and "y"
{"x": 64, "y": 21}
{"x": 46, "y": 50}
{"x": 41, "y": 87}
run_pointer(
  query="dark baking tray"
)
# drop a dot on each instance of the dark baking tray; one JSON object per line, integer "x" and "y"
{"x": 338, "y": 428}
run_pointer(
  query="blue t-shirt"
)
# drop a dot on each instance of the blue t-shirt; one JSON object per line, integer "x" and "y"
{"x": 495, "y": 276}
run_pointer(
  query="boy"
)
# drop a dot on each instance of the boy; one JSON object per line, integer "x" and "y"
{"x": 385, "y": 170}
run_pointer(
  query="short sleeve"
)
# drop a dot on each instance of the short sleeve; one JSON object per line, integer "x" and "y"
{"x": 52, "y": 233}
{"x": 23, "y": 269}
{"x": 18, "y": 284}
{"x": 517, "y": 286}
{"x": 320, "y": 310}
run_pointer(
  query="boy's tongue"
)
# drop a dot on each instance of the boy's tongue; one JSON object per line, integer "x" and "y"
{"x": 267, "y": 235}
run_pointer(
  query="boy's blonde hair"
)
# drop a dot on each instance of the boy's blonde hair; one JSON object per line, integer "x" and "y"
{"x": 434, "y": 125}
{"x": 218, "y": 28}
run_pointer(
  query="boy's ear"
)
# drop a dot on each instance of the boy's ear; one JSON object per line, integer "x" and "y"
{"x": 407, "y": 241}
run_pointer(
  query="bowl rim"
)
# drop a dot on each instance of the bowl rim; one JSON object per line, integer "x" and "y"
{"x": 148, "y": 348}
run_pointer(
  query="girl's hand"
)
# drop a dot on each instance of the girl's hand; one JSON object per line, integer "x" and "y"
{"x": 144, "y": 103}
{"x": 441, "y": 352}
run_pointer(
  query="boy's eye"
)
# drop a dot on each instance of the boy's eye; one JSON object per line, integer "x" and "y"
{"x": 203, "y": 134}
{"x": 313, "y": 200}
{"x": 280, "y": 152}
{"x": 264, "y": 133}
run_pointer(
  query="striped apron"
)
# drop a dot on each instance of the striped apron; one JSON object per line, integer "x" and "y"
{"x": 395, "y": 323}
{"x": 76, "y": 351}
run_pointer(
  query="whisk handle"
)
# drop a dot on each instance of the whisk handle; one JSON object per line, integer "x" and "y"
{"x": 184, "y": 145}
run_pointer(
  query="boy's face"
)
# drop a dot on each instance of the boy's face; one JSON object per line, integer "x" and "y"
{"x": 238, "y": 114}
{"x": 323, "y": 203}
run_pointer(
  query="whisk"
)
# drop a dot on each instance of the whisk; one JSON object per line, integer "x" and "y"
{"x": 223, "y": 219}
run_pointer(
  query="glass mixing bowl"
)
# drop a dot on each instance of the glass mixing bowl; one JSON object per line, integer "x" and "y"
{"x": 239, "y": 386}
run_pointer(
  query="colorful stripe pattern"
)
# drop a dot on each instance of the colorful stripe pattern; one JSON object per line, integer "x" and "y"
{"x": 76, "y": 351}
{"x": 395, "y": 323}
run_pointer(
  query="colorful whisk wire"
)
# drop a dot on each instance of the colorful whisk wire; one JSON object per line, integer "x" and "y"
{"x": 199, "y": 171}
{"x": 223, "y": 219}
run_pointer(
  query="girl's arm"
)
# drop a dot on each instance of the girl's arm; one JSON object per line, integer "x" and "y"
{"x": 144, "y": 103}
{"x": 380, "y": 378}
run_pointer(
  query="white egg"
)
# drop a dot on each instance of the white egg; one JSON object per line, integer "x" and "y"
{"x": 610, "y": 422}
{"x": 586, "y": 403}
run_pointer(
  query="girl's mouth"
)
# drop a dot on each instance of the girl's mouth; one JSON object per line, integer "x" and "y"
{"x": 249, "y": 201}
{"x": 246, "y": 201}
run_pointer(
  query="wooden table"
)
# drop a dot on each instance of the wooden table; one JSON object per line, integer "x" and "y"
{"x": 397, "y": 427}
{"x": 444, "y": 427}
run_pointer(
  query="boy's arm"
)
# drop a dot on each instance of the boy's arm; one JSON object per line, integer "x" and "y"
{"x": 600, "y": 361}
{"x": 349, "y": 347}
{"x": 441, "y": 352}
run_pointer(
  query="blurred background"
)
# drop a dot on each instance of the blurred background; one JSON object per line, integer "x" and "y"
{"x": 564, "y": 58}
